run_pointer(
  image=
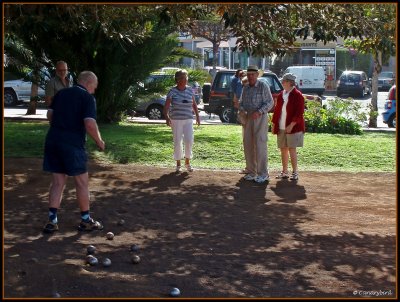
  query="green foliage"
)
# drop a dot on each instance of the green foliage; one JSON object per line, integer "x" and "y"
{"x": 344, "y": 61}
{"x": 339, "y": 116}
{"x": 215, "y": 147}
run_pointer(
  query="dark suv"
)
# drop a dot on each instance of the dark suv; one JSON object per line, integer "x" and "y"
{"x": 220, "y": 100}
{"x": 354, "y": 83}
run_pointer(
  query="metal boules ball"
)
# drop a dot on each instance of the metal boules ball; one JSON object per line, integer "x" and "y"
{"x": 135, "y": 259}
{"x": 106, "y": 262}
{"x": 110, "y": 235}
{"x": 175, "y": 292}
{"x": 121, "y": 222}
{"x": 91, "y": 249}
{"x": 134, "y": 248}
{"x": 92, "y": 260}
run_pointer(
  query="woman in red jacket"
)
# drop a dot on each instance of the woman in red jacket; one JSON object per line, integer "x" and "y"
{"x": 288, "y": 124}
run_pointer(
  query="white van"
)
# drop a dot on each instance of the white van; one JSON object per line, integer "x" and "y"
{"x": 309, "y": 79}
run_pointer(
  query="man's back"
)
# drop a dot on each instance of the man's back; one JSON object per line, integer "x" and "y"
{"x": 69, "y": 109}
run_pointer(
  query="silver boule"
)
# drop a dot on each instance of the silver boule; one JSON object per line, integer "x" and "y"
{"x": 106, "y": 262}
{"x": 110, "y": 235}
{"x": 93, "y": 261}
{"x": 91, "y": 249}
{"x": 175, "y": 292}
{"x": 121, "y": 222}
{"x": 135, "y": 259}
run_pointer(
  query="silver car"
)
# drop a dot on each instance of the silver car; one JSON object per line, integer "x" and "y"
{"x": 19, "y": 90}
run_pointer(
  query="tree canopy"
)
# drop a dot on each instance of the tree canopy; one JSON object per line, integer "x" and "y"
{"x": 122, "y": 43}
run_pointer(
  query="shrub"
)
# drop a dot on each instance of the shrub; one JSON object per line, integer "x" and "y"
{"x": 342, "y": 116}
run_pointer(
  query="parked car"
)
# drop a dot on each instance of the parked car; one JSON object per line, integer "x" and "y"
{"x": 19, "y": 90}
{"x": 389, "y": 115}
{"x": 386, "y": 80}
{"x": 219, "y": 101}
{"x": 353, "y": 83}
{"x": 153, "y": 106}
{"x": 16, "y": 91}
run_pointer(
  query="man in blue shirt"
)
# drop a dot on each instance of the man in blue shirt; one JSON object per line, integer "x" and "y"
{"x": 72, "y": 114}
{"x": 235, "y": 83}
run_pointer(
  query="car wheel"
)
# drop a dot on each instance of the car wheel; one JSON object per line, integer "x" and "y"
{"x": 392, "y": 121}
{"x": 155, "y": 112}
{"x": 225, "y": 115}
{"x": 10, "y": 98}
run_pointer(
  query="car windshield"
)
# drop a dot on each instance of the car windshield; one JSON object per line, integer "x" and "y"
{"x": 350, "y": 77}
{"x": 386, "y": 75}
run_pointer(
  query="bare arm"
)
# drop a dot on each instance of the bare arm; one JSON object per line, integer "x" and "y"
{"x": 196, "y": 111}
{"x": 93, "y": 130}
{"x": 166, "y": 112}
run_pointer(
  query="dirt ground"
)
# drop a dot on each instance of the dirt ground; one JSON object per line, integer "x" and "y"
{"x": 208, "y": 233}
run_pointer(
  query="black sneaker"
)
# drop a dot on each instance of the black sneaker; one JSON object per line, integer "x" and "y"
{"x": 50, "y": 227}
{"x": 90, "y": 225}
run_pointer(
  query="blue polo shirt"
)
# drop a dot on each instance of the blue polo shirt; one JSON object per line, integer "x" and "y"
{"x": 70, "y": 107}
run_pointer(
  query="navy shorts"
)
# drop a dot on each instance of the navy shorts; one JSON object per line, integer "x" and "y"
{"x": 64, "y": 158}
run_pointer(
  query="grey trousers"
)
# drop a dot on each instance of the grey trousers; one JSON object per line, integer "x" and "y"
{"x": 255, "y": 137}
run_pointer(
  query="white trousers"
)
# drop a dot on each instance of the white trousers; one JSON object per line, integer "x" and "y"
{"x": 182, "y": 130}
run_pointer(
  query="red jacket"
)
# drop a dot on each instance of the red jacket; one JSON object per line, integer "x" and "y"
{"x": 294, "y": 111}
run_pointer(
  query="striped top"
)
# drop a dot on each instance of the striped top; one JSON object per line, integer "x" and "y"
{"x": 181, "y": 103}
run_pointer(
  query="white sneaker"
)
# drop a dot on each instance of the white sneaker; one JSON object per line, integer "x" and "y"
{"x": 189, "y": 168}
{"x": 260, "y": 179}
{"x": 178, "y": 168}
{"x": 295, "y": 176}
{"x": 282, "y": 175}
{"x": 249, "y": 177}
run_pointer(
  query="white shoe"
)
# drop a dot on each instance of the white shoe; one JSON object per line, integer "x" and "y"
{"x": 178, "y": 169}
{"x": 260, "y": 179}
{"x": 189, "y": 168}
{"x": 282, "y": 175}
{"x": 249, "y": 177}
{"x": 295, "y": 176}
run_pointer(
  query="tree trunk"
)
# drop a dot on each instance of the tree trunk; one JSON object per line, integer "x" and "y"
{"x": 33, "y": 101}
{"x": 215, "y": 62}
{"x": 373, "y": 115}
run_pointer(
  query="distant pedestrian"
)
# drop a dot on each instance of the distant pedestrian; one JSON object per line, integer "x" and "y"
{"x": 60, "y": 81}
{"x": 235, "y": 92}
{"x": 72, "y": 114}
{"x": 178, "y": 112}
{"x": 288, "y": 124}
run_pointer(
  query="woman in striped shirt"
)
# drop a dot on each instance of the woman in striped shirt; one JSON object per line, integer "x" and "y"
{"x": 178, "y": 112}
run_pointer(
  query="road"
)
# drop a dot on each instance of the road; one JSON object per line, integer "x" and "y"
{"x": 20, "y": 111}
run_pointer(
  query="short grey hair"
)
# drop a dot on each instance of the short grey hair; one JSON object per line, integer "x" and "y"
{"x": 180, "y": 74}
{"x": 61, "y": 63}
{"x": 86, "y": 77}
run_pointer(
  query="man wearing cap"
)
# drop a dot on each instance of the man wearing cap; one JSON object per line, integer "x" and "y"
{"x": 255, "y": 102}
{"x": 289, "y": 125}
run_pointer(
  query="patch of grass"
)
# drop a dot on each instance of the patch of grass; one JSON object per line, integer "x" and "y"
{"x": 215, "y": 147}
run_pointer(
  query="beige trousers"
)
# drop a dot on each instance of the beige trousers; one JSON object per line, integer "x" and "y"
{"x": 255, "y": 136}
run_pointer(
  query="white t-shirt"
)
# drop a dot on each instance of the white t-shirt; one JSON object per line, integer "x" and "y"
{"x": 282, "y": 120}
